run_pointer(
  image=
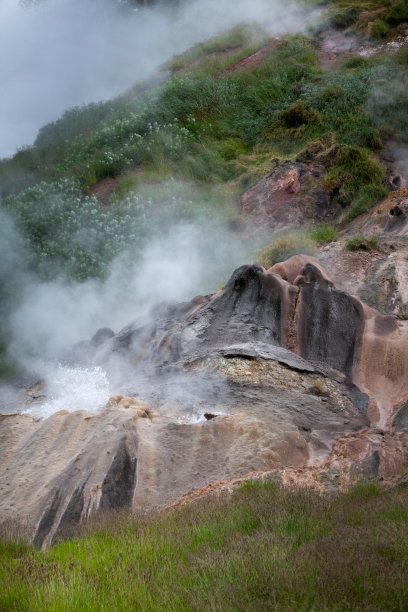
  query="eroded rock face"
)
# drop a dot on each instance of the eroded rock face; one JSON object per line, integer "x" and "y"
{"x": 294, "y": 305}
{"x": 287, "y": 195}
{"x": 298, "y": 377}
{"x": 305, "y": 314}
{"x": 266, "y": 416}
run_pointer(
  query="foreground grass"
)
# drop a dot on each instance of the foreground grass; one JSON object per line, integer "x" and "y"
{"x": 264, "y": 548}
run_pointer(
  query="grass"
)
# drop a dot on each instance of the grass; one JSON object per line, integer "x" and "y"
{"x": 354, "y": 179}
{"x": 362, "y": 243}
{"x": 323, "y": 234}
{"x": 203, "y": 127}
{"x": 374, "y": 17}
{"x": 264, "y": 548}
{"x": 220, "y": 53}
{"x": 283, "y": 247}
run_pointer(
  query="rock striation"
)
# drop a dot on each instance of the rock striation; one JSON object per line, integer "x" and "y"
{"x": 278, "y": 373}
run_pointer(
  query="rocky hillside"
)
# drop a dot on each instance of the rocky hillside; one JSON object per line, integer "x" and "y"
{"x": 296, "y": 370}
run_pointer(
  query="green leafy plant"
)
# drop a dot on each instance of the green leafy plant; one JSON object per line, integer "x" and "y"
{"x": 73, "y": 234}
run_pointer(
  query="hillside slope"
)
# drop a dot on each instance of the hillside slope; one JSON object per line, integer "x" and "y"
{"x": 291, "y": 151}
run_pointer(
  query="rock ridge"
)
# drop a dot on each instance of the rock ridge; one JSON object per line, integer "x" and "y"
{"x": 300, "y": 380}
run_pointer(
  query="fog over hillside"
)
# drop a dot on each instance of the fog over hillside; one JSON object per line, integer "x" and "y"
{"x": 63, "y": 53}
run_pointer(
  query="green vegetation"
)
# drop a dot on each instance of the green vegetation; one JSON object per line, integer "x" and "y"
{"x": 208, "y": 131}
{"x": 345, "y": 18}
{"x": 398, "y": 13}
{"x": 212, "y": 127}
{"x": 220, "y": 53}
{"x": 323, "y": 234}
{"x": 286, "y": 245}
{"x": 264, "y": 548}
{"x": 380, "y": 29}
{"x": 362, "y": 243}
{"x": 217, "y": 129}
{"x": 376, "y": 17}
{"x": 73, "y": 234}
{"x": 355, "y": 178}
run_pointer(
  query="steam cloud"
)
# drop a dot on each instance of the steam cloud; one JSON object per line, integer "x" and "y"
{"x": 60, "y": 53}
{"x": 49, "y": 317}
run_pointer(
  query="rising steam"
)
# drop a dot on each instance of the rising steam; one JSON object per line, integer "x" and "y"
{"x": 61, "y": 53}
{"x": 68, "y": 52}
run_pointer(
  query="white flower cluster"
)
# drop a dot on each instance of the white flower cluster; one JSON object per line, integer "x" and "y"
{"x": 73, "y": 233}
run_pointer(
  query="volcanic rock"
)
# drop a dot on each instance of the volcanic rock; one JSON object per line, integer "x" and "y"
{"x": 302, "y": 378}
{"x": 287, "y": 195}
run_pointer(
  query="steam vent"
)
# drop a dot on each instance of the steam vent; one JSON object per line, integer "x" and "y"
{"x": 279, "y": 375}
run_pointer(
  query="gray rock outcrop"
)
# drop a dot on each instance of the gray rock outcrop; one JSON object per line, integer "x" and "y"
{"x": 279, "y": 371}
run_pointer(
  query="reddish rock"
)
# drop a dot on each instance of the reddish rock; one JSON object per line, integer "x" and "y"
{"x": 289, "y": 194}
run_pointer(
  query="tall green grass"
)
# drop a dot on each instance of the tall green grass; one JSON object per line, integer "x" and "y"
{"x": 264, "y": 548}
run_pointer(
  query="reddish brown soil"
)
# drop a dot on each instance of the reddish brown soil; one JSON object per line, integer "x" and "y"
{"x": 103, "y": 189}
{"x": 332, "y": 46}
{"x": 253, "y": 60}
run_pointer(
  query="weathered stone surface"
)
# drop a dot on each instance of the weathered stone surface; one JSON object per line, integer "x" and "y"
{"x": 368, "y": 467}
{"x": 400, "y": 420}
{"x": 63, "y": 469}
{"x": 298, "y": 377}
{"x": 290, "y": 194}
{"x": 253, "y": 350}
{"x": 331, "y": 325}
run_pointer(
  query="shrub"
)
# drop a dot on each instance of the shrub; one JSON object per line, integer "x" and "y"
{"x": 353, "y": 173}
{"x": 73, "y": 234}
{"x": 362, "y": 243}
{"x": 380, "y": 29}
{"x": 366, "y": 199}
{"x": 323, "y": 234}
{"x": 75, "y": 122}
{"x": 398, "y": 13}
{"x": 284, "y": 247}
{"x": 344, "y": 19}
{"x": 298, "y": 115}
